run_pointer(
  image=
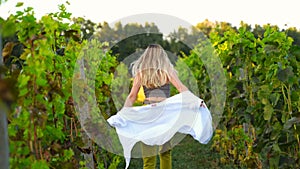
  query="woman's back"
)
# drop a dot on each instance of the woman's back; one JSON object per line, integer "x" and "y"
{"x": 156, "y": 94}
{"x": 154, "y": 72}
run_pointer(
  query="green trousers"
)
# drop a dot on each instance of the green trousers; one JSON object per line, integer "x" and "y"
{"x": 149, "y": 156}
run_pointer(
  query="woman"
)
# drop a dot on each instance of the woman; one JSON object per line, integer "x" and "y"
{"x": 154, "y": 72}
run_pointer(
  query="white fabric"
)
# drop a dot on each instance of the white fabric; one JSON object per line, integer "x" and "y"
{"x": 157, "y": 123}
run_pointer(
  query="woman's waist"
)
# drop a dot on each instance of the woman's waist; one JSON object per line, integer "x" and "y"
{"x": 150, "y": 100}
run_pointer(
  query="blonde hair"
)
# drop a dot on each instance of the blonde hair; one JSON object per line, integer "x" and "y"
{"x": 153, "y": 67}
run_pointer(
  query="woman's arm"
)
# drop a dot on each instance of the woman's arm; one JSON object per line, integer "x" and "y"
{"x": 180, "y": 86}
{"x": 177, "y": 83}
{"x": 134, "y": 91}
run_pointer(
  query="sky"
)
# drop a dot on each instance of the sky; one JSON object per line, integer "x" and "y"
{"x": 284, "y": 13}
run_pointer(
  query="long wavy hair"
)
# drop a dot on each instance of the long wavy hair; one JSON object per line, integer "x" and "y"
{"x": 153, "y": 67}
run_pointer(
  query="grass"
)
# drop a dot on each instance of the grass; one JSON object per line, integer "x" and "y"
{"x": 188, "y": 154}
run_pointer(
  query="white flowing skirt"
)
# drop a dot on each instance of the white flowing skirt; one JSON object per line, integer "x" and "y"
{"x": 157, "y": 123}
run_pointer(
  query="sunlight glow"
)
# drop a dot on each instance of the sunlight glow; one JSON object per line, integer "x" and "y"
{"x": 276, "y": 12}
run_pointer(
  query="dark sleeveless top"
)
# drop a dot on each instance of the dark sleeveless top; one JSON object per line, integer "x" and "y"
{"x": 162, "y": 91}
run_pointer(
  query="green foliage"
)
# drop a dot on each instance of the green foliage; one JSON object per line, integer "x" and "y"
{"x": 120, "y": 85}
{"x": 43, "y": 129}
{"x": 236, "y": 147}
{"x": 38, "y": 125}
{"x": 263, "y": 74}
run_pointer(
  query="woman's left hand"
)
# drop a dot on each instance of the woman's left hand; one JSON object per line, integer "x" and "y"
{"x": 202, "y": 104}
